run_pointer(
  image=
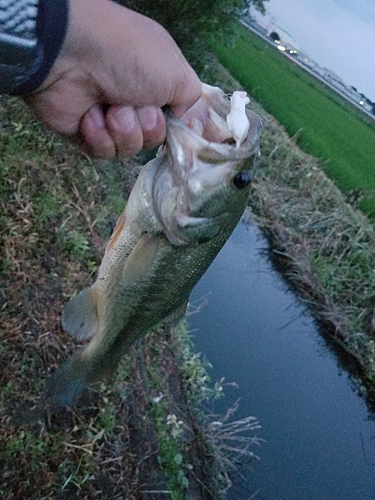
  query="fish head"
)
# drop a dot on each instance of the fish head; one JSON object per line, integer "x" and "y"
{"x": 203, "y": 185}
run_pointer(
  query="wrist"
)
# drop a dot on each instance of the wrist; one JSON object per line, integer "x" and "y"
{"x": 50, "y": 30}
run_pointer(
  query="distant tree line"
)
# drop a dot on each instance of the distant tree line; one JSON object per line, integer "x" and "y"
{"x": 190, "y": 21}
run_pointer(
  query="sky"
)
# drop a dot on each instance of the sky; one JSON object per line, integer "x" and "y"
{"x": 336, "y": 34}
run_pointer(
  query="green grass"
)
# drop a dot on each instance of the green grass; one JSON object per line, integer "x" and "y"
{"x": 57, "y": 210}
{"x": 326, "y": 125}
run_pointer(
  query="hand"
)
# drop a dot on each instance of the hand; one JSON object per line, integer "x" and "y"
{"x": 115, "y": 72}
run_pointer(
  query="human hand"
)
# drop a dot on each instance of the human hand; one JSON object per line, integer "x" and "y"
{"x": 115, "y": 72}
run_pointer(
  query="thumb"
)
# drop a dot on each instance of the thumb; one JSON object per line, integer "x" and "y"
{"x": 186, "y": 94}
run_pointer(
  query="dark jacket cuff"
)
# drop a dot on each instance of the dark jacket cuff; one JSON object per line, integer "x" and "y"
{"x": 51, "y": 28}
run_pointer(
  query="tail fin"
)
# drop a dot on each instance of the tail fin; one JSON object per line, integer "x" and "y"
{"x": 67, "y": 384}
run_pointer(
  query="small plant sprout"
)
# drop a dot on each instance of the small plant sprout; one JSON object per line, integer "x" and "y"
{"x": 175, "y": 425}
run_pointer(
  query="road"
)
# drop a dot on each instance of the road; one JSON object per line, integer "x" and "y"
{"x": 253, "y": 28}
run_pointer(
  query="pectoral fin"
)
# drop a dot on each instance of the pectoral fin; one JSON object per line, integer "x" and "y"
{"x": 80, "y": 319}
{"x": 140, "y": 259}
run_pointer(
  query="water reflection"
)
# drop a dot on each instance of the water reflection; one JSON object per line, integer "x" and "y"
{"x": 320, "y": 443}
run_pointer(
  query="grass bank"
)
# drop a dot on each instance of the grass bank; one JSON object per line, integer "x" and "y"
{"x": 325, "y": 125}
{"x": 141, "y": 436}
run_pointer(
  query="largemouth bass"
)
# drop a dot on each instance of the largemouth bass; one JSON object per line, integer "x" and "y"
{"x": 184, "y": 205}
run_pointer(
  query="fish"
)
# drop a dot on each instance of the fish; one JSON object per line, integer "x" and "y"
{"x": 183, "y": 207}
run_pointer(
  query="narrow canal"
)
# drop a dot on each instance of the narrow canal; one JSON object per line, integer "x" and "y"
{"x": 319, "y": 435}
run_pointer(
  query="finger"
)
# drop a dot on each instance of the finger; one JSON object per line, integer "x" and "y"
{"x": 125, "y": 129}
{"x": 97, "y": 140}
{"x": 187, "y": 93}
{"x": 153, "y": 126}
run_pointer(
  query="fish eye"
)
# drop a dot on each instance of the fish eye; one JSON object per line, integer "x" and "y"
{"x": 242, "y": 180}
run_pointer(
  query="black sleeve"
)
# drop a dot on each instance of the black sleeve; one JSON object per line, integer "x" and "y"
{"x": 29, "y": 46}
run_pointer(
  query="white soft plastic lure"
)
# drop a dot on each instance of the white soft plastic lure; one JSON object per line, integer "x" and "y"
{"x": 237, "y": 120}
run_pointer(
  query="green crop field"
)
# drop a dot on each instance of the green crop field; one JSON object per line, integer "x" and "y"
{"x": 326, "y": 125}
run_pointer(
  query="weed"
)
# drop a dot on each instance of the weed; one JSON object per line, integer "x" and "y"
{"x": 170, "y": 433}
{"x": 72, "y": 242}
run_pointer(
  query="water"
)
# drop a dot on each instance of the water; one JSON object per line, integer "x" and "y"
{"x": 320, "y": 441}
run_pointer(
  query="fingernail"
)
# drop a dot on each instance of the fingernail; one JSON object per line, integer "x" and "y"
{"x": 148, "y": 117}
{"x": 125, "y": 119}
{"x": 96, "y": 115}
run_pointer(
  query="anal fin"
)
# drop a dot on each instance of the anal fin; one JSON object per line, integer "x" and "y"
{"x": 79, "y": 318}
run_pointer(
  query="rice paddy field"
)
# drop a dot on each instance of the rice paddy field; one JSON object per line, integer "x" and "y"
{"x": 323, "y": 123}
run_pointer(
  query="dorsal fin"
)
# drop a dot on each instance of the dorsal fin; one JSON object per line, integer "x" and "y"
{"x": 80, "y": 319}
{"x": 117, "y": 231}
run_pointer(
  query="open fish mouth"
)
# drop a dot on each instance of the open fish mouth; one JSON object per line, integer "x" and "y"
{"x": 203, "y": 156}
{"x": 203, "y": 132}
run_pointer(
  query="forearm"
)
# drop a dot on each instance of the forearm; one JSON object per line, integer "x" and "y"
{"x": 31, "y": 35}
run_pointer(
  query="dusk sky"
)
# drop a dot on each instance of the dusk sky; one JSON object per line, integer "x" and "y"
{"x": 337, "y": 34}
